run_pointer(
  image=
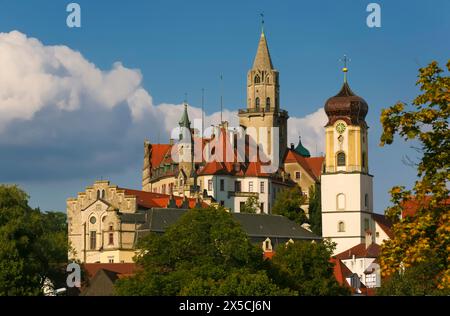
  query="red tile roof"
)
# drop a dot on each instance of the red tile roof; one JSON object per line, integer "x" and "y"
{"x": 313, "y": 166}
{"x": 360, "y": 251}
{"x": 120, "y": 268}
{"x": 341, "y": 272}
{"x": 151, "y": 199}
{"x": 158, "y": 153}
{"x": 411, "y": 207}
{"x": 384, "y": 223}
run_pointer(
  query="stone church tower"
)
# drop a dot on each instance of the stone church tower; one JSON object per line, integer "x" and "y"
{"x": 346, "y": 186}
{"x": 263, "y": 104}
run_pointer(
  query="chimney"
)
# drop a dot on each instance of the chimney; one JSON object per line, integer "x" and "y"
{"x": 368, "y": 238}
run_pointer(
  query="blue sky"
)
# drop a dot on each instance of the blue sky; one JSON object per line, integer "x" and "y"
{"x": 182, "y": 46}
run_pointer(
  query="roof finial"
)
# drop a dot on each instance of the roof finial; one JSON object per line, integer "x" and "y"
{"x": 221, "y": 97}
{"x": 345, "y": 60}
{"x": 262, "y": 22}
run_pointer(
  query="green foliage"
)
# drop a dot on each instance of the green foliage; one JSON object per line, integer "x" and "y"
{"x": 207, "y": 253}
{"x": 288, "y": 203}
{"x": 251, "y": 205}
{"x": 305, "y": 267}
{"x": 315, "y": 210}
{"x": 414, "y": 281}
{"x": 33, "y": 245}
{"x": 426, "y": 234}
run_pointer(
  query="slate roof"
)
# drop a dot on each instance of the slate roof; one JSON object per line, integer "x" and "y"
{"x": 255, "y": 225}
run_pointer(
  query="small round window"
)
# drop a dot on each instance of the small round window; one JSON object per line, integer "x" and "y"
{"x": 93, "y": 220}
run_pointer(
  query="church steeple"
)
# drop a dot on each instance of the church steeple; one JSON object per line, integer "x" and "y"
{"x": 184, "y": 121}
{"x": 262, "y": 59}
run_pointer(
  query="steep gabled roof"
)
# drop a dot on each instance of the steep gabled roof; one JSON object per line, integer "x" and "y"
{"x": 360, "y": 251}
{"x": 384, "y": 223}
{"x": 159, "y": 152}
{"x": 313, "y": 166}
{"x": 150, "y": 199}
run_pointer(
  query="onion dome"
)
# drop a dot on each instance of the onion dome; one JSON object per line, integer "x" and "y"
{"x": 301, "y": 150}
{"x": 346, "y": 106}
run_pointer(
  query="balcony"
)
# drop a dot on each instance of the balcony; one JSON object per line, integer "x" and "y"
{"x": 242, "y": 194}
{"x": 335, "y": 169}
{"x": 263, "y": 110}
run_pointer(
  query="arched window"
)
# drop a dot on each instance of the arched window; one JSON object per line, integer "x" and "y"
{"x": 267, "y": 79}
{"x": 341, "y": 227}
{"x": 257, "y": 103}
{"x": 341, "y": 159}
{"x": 363, "y": 159}
{"x": 267, "y": 103}
{"x": 257, "y": 79}
{"x": 366, "y": 200}
{"x": 103, "y": 194}
{"x": 267, "y": 245}
{"x": 98, "y": 194}
{"x": 340, "y": 201}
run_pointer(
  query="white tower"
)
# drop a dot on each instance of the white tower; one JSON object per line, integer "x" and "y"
{"x": 346, "y": 184}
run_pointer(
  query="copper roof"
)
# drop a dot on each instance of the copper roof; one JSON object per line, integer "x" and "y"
{"x": 346, "y": 106}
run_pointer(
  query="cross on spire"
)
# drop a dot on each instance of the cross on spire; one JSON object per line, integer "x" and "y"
{"x": 262, "y": 22}
{"x": 345, "y": 60}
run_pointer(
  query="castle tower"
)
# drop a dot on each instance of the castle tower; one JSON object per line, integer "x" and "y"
{"x": 346, "y": 184}
{"x": 263, "y": 103}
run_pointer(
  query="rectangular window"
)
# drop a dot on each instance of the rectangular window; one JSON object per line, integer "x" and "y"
{"x": 111, "y": 239}
{"x": 261, "y": 187}
{"x": 366, "y": 224}
{"x": 93, "y": 240}
{"x": 297, "y": 175}
{"x": 250, "y": 186}
{"x": 237, "y": 186}
{"x": 261, "y": 208}
{"x": 241, "y": 206}
{"x": 210, "y": 185}
{"x": 222, "y": 185}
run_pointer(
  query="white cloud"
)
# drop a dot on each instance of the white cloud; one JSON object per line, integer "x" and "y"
{"x": 62, "y": 116}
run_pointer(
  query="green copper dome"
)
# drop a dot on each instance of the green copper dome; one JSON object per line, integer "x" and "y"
{"x": 301, "y": 150}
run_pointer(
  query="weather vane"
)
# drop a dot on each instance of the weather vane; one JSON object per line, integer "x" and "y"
{"x": 345, "y": 60}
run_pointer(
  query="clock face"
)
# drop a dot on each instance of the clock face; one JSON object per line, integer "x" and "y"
{"x": 340, "y": 127}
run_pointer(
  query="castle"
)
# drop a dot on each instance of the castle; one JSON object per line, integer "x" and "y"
{"x": 105, "y": 221}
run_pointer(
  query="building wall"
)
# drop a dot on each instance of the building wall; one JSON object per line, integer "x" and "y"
{"x": 343, "y": 199}
{"x": 81, "y": 212}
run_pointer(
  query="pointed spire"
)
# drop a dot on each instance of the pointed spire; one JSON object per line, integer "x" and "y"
{"x": 262, "y": 58}
{"x": 345, "y": 60}
{"x": 184, "y": 121}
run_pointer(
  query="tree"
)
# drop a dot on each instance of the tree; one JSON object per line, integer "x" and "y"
{"x": 288, "y": 203}
{"x": 33, "y": 245}
{"x": 423, "y": 238}
{"x": 306, "y": 268}
{"x": 251, "y": 205}
{"x": 315, "y": 209}
{"x": 206, "y": 252}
